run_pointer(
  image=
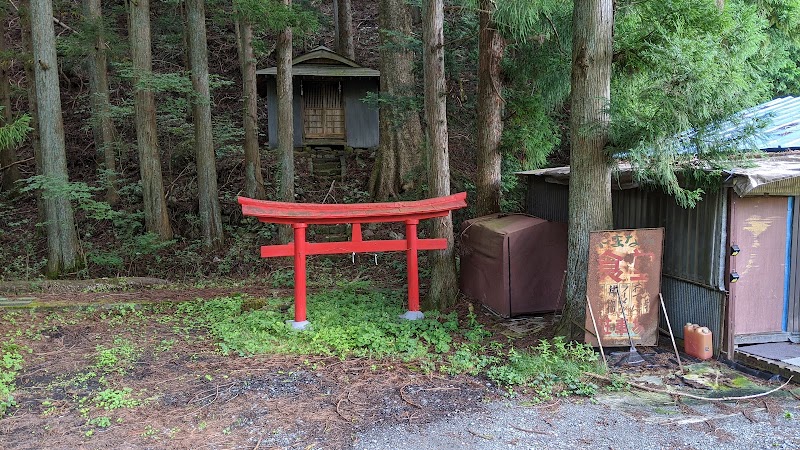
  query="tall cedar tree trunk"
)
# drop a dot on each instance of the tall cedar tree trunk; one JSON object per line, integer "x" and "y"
{"x": 33, "y": 108}
{"x": 590, "y": 166}
{"x": 344, "y": 28}
{"x": 490, "y": 106}
{"x": 285, "y": 123}
{"x": 105, "y": 135}
{"x": 8, "y": 156}
{"x": 444, "y": 285}
{"x": 253, "y": 178}
{"x": 210, "y": 214}
{"x": 156, "y": 218}
{"x": 400, "y": 131}
{"x": 63, "y": 254}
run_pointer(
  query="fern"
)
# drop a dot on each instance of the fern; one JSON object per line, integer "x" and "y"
{"x": 14, "y": 134}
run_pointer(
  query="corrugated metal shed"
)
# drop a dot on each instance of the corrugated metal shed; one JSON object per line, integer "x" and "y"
{"x": 696, "y": 254}
{"x": 693, "y": 282}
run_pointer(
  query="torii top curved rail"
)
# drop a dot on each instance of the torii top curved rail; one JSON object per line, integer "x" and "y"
{"x": 300, "y": 215}
{"x": 321, "y": 213}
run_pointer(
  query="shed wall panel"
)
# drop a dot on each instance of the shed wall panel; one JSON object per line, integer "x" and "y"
{"x": 550, "y": 201}
{"x": 689, "y": 302}
{"x": 361, "y": 120}
{"x": 694, "y": 237}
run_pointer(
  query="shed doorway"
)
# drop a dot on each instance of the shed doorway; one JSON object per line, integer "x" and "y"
{"x": 323, "y": 112}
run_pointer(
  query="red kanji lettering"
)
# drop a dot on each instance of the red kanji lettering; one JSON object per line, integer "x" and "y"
{"x": 609, "y": 265}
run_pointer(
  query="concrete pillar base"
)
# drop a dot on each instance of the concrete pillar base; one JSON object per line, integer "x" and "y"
{"x": 412, "y": 315}
{"x": 298, "y": 325}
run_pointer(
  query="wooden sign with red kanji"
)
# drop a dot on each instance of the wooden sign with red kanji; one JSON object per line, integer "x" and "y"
{"x": 624, "y": 277}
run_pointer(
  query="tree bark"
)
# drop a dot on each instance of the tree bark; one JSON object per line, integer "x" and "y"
{"x": 285, "y": 123}
{"x": 8, "y": 156}
{"x": 344, "y": 28}
{"x": 253, "y": 178}
{"x": 33, "y": 108}
{"x": 63, "y": 255}
{"x": 156, "y": 217}
{"x": 590, "y": 166}
{"x": 444, "y": 285}
{"x": 105, "y": 134}
{"x": 210, "y": 214}
{"x": 490, "y": 106}
{"x": 400, "y": 131}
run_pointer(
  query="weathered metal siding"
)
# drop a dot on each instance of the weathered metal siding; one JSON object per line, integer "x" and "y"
{"x": 549, "y": 201}
{"x": 272, "y": 113}
{"x": 688, "y": 302}
{"x": 694, "y": 243}
{"x": 758, "y": 227}
{"x": 694, "y": 240}
{"x": 361, "y": 120}
{"x": 693, "y": 283}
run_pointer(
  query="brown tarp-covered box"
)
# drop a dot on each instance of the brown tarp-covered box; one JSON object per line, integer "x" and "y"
{"x": 514, "y": 264}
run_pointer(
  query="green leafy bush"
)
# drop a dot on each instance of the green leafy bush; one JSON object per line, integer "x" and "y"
{"x": 110, "y": 399}
{"x": 10, "y": 365}
{"x": 553, "y": 367}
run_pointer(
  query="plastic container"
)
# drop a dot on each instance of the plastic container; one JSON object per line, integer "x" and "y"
{"x": 703, "y": 343}
{"x": 689, "y": 338}
{"x": 697, "y": 341}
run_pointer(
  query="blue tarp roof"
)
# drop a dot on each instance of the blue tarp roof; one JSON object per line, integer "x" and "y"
{"x": 782, "y": 117}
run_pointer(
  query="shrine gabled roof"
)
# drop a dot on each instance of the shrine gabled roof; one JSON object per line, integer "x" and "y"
{"x": 324, "y": 62}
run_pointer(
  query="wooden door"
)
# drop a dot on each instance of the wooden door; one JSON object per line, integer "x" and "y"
{"x": 758, "y": 227}
{"x": 323, "y": 111}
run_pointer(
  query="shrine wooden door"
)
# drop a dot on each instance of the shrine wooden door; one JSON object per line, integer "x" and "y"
{"x": 323, "y": 111}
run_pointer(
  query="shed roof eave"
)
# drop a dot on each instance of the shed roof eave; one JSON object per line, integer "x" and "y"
{"x": 776, "y": 174}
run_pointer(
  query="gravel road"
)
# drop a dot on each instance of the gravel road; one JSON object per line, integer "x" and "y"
{"x": 612, "y": 421}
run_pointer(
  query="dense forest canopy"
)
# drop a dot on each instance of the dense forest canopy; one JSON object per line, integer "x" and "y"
{"x": 134, "y": 120}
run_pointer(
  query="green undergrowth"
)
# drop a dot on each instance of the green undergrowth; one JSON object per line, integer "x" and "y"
{"x": 10, "y": 365}
{"x": 552, "y": 368}
{"x": 348, "y": 320}
{"x": 351, "y": 320}
{"x": 355, "y": 320}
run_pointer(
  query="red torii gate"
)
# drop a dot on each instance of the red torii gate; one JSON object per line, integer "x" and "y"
{"x": 301, "y": 215}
